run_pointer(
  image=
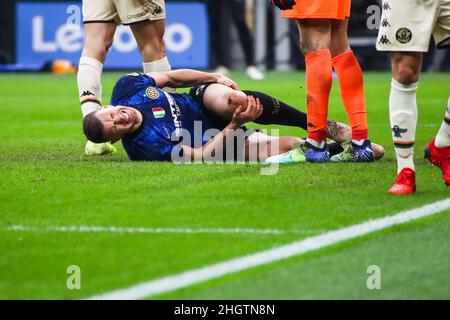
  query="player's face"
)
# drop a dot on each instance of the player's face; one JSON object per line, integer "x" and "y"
{"x": 118, "y": 121}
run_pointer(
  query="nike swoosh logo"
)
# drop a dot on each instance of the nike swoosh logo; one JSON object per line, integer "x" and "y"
{"x": 167, "y": 132}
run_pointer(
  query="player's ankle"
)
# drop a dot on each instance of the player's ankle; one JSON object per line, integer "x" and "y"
{"x": 358, "y": 142}
{"x": 400, "y": 169}
{"x": 316, "y": 144}
{"x": 442, "y": 142}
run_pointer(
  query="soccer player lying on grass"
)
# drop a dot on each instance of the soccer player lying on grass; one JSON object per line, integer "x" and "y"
{"x": 155, "y": 125}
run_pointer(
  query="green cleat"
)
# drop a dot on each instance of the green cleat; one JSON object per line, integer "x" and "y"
{"x": 93, "y": 149}
{"x": 344, "y": 156}
{"x": 296, "y": 155}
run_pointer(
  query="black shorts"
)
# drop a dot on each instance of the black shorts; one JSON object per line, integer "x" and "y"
{"x": 197, "y": 94}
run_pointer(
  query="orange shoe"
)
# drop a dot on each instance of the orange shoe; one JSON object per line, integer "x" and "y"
{"x": 405, "y": 182}
{"x": 440, "y": 157}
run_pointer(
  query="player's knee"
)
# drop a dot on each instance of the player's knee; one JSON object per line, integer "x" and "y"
{"x": 236, "y": 99}
{"x": 406, "y": 74}
{"x": 312, "y": 45}
{"x": 338, "y": 48}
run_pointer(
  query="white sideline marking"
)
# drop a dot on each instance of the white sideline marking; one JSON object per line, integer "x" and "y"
{"x": 131, "y": 230}
{"x": 177, "y": 281}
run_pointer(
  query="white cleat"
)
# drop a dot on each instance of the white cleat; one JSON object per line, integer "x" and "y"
{"x": 254, "y": 73}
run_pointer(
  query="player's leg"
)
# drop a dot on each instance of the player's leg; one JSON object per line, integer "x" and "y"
{"x": 438, "y": 150}
{"x": 278, "y": 112}
{"x": 289, "y": 150}
{"x": 443, "y": 135}
{"x": 405, "y": 31}
{"x": 99, "y": 37}
{"x": 406, "y": 68}
{"x": 260, "y": 147}
{"x": 352, "y": 89}
{"x": 149, "y": 37}
{"x": 237, "y": 12}
{"x": 315, "y": 42}
{"x": 223, "y": 101}
{"x": 148, "y": 29}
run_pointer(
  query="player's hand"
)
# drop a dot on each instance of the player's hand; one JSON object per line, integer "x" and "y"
{"x": 283, "y": 4}
{"x": 252, "y": 112}
{"x": 224, "y": 80}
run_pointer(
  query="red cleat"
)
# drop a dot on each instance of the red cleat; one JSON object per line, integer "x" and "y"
{"x": 440, "y": 157}
{"x": 405, "y": 182}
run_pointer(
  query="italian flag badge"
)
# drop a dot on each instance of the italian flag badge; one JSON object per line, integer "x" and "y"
{"x": 158, "y": 113}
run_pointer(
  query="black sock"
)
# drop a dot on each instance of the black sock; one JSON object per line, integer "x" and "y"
{"x": 334, "y": 148}
{"x": 278, "y": 112}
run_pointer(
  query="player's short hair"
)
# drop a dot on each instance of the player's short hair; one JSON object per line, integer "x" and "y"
{"x": 93, "y": 128}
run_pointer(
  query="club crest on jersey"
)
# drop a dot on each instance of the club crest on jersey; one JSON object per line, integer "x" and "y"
{"x": 152, "y": 93}
{"x": 158, "y": 113}
{"x": 403, "y": 35}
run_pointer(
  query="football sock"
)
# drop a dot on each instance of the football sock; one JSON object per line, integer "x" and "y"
{"x": 159, "y": 66}
{"x": 318, "y": 86}
{"x": 89, "y": 84}
{"x": 403, "y": 117}
{"x": 352, "y": 93}
{"x": 278, "y": 112}
{"x": 334, "y": 148}
{"x": 443, "y": 137}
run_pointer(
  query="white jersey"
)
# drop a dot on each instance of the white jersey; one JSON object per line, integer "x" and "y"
{"x": 407, "y": 25}
{"x": 123, "y": 11}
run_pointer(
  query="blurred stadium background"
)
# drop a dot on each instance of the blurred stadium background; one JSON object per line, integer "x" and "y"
{"x": 33, "y": 35}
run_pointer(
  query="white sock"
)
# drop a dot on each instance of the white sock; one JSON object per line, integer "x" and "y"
{"x": 403, "y": 117}
{"x": 158, "y": 66}
{"x": 89, "y": 84}
{"x": 443, "y": 136}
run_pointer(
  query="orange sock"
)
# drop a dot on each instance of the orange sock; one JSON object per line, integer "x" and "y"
{"x": 318, "y": 85}
{"x": 352, "y": 93}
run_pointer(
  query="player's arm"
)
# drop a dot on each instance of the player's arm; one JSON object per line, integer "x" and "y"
{"x": 240, "y": 117}
{"x": 189, "y": 78}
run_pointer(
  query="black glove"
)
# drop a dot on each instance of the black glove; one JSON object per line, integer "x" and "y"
{"x": 283, "y": 4}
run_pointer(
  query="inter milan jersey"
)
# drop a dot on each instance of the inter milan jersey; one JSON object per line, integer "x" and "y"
{"x": 167, "y": 119}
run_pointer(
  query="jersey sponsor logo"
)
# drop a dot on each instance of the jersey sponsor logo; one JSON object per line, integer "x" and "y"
{"x": 152, "y": 93}
{"x": 158, "y": 113}
{"x": 176, "y": 114}
{"x": 137, "y": 15}
{"x": 403, "y": 35}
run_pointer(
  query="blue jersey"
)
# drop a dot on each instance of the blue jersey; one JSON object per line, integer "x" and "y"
{"x": 166, "y": 118}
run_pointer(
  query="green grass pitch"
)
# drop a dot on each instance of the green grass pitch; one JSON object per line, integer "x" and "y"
{"x": 47, "y": 181}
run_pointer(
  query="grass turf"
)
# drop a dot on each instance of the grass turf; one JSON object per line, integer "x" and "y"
{"x": 47, "y": 181}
